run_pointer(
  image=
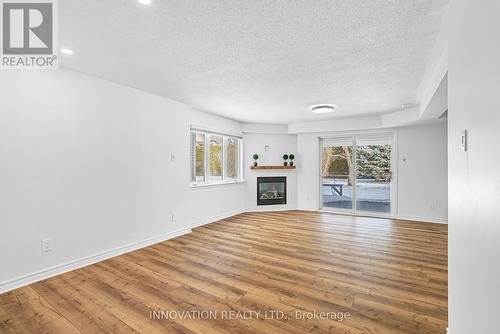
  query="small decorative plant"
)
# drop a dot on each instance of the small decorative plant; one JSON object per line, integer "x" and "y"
{"x": 255, "y": 158}
{"x": 291, "y": 157}
{"x": 285, "y": 157}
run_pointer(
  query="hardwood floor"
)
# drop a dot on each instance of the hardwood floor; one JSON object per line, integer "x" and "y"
{"x": 390, "y": 276}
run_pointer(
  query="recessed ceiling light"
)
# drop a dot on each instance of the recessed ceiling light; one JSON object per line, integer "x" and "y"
{"x": 323, "y": 108}
{"x": 67, "y": 51}
{"x": 145, "y": 2}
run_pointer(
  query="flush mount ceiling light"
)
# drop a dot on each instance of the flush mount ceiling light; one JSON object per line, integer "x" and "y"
{"x": 67, "y": 51}
{"x": 145, "y": 2}
{"x": 323, "y": 108}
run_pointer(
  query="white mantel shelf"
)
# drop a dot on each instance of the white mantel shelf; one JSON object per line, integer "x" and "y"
{"x": 272, "y": 167}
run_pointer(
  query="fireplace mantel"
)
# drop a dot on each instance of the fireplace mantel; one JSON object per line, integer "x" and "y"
{"x": 272, "y": 167}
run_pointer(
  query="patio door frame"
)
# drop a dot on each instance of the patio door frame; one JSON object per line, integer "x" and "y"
{"x": 393, "y": 184}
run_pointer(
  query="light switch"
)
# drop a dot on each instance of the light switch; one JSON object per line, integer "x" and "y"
{"x": 463, "y": 141}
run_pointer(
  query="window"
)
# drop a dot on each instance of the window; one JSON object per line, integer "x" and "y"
{"x": 215, "y": 158}
{"x": 232, "y": 157}
{"x": 198, "y": 153}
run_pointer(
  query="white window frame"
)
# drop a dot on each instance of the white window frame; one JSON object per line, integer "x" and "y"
{"x": 225, "y": 178}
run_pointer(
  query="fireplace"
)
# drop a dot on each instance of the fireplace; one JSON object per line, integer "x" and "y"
{"x": 271, "y": 190}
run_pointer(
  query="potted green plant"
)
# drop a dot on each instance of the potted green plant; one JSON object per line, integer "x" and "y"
{"x": 291, "y": 157}
{"x": 285, "y": 157}
{"x": 255, "y": 158}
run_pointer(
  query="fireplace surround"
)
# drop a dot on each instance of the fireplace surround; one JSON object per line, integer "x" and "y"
{"x": 271, "y": 190}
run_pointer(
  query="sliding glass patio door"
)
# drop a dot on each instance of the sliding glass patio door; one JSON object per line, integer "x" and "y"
{"x": 337, "y": 173}
{"x": 356, "y": 174}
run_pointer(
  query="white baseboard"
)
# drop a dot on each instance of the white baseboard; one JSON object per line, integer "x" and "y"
{"x": 76, "y": 264}
{"x": 409, "y": 218}
{"x": 265, "y": 208}
{"x": 423, "y": 219}
{"x": 215, "y": 218}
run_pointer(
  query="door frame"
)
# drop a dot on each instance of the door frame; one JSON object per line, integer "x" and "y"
{"x": 394, "y": 169}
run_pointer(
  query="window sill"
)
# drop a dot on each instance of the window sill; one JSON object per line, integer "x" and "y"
{"x": 211, "y": 184}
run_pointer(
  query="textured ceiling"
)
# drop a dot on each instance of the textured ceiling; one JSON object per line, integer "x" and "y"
{"x": 258, "y": 61}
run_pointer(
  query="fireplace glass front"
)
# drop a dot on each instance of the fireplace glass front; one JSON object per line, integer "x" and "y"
{"x": 271, "y": 190}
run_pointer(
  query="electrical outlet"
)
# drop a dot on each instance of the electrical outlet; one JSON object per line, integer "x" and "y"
{"x": 172, "y": 218}
{"x": 46, "y": 245}
{"x": 172, "y": 157}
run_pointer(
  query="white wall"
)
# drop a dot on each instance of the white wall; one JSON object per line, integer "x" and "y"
{"x": 422, "y": 185}
{"x": 277, "y": 146}
{"x": 397, "y": 118}
{"x": 308, "y": 173}
{"x": 474, "y": 178}
{"x": 339, "y": 124}
{"x": 423, "y": 172}
{"x": 262, "y": 128}
{"x": 87, "y": 162}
